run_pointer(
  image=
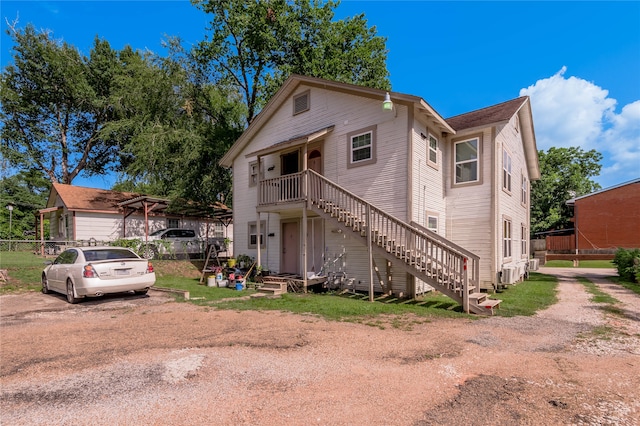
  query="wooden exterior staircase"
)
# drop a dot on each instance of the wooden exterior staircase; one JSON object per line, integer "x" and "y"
{"x": 427, "y": 256}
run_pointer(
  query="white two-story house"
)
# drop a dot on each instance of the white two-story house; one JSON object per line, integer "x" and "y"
{"x": 380, "y": 190}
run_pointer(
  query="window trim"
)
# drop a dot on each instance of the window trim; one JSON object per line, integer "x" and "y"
{"x": 263, "y": 224}
{"x": 524, "y": 191}
{"x": 507, "y": 172}
{"x": 454, "y": 163}
{"x": 258, "y": 173}
{"x": 436, "y": 216}
{"x": 173, "y": 222}
{"x": 507, "y": 240}
{"x": 434, "y": 164}
{"x": 523, "y": 241}
{"x": 350, "y": 136}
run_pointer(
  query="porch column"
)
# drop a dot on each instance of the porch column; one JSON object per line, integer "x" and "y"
{"x": 370, "y": 249}
{"x": 258, "y": 242}
{"x": 304, "y": 217}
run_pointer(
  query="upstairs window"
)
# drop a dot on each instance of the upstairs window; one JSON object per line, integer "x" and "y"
{"x": 301, "y": 103}
{"x": 467, "y": 161}
{"x": 525, "y": 190}
{"x": 362, "y": 147}
{"x": 506, "y": 171}
{"x": 433, "y": 151}
{"x": 253, "y": 173}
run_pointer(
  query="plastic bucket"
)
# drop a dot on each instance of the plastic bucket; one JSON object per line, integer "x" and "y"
{"x": 239, "y": 286}
{"x": 211, "y": 281}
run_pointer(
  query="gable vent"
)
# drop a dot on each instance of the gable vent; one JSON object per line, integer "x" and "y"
{"x": 301, "y": 103}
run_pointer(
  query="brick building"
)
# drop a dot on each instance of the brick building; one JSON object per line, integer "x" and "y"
{"x": 607, "y": 219}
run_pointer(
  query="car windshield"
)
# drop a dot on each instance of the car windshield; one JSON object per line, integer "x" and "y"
{"x": 156, "y": 233}
{"x": 106, "y": 254}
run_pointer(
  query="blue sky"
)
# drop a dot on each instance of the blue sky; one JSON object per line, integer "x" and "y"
{"x": 579, "y": 61}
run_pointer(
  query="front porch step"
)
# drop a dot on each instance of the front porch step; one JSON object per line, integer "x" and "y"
{"x": 274, "y": 287}
{"x": 486, "y": 307}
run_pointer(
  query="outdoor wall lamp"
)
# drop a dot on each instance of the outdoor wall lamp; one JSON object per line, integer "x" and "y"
{"x": 387, "y": 104}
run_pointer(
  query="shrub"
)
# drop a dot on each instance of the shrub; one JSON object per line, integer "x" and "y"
{"x": 628, "y": 264}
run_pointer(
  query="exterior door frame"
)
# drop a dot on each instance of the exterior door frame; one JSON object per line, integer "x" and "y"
{"x": 291, "y": 248}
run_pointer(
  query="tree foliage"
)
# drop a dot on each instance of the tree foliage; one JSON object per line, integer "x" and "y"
{"x": 254, "y": 46}
{"x": 55, "y": 105}
{"x": 565, "y": 174}
{"x": 27, "y": 192}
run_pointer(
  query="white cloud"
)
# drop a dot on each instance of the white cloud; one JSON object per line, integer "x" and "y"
{"x": 574, "y": 112}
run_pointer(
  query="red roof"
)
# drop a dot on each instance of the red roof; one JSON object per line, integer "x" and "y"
{"x": 82, "y": 198}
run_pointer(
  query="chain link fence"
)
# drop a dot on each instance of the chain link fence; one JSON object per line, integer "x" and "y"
{"x": 54, "y": 248}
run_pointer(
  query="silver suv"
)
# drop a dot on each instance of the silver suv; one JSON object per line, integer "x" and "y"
{"x": 177, "y": 242}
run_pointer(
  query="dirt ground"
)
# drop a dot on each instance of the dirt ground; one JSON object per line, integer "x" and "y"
{"x": 152, "y": 361}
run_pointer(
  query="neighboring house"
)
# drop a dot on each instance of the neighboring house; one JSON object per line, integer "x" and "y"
{"x": 447, "y": 200}
{"x": 607, "y": 219}
{"x": 81, "y": 214}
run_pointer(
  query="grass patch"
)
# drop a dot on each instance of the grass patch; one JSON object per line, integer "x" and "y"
{"x": 536, "y": 293}
{"x": 599, "y": 296}
{"x": 356, "y": 308}
{"x": 581, "y": 264}
{"x": 24, "y": 269}
{"x": 635, "y": 287}
{"x": 201, "y": 293}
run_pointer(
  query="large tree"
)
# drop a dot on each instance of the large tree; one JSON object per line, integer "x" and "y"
{"x": 55, "y": 106}
{"x": 254, "y": 46}
{"x": 565, "y": 173}
{"x": 181, "y": 127}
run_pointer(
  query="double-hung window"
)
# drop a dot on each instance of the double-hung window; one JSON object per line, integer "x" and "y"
{"x": 506, "y": 171}
{"x": 525, "y": 190}
{"x": 253, "y": 234}
{"x": 362, "y": 147}
{"x": 506, "y": 237}
{"x": 467, "y": 161}
{"x": 523, "y": 248}
{"x": 433, "y": 151}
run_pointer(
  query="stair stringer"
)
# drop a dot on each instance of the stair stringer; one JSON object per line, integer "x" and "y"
{"x": 397, "y": 262}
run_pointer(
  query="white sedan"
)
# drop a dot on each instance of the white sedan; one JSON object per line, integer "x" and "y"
{"x": 94, "y": 271}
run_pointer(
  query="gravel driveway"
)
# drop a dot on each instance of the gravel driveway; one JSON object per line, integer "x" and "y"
{"x": 152, "y": 361}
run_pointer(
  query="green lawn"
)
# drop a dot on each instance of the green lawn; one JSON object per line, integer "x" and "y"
{"x": 538, "y": 292}
{"x": 581, "y": 264}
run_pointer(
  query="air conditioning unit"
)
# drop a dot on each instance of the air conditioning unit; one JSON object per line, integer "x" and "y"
{"x": 534, "y": 264}
{"x": 509, "y": 275}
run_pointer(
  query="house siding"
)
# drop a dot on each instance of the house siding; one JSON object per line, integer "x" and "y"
{"x": 509, "y": 204}
{"x": 469, "y": 213}
{"x": 383, "y": 184}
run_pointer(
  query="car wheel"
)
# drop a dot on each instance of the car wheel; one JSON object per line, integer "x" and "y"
{"x": 71, "y": 297}
{"x": 45, "y": 285}
{"x": 149, "y": 252}
{"x": 141, "y": 292}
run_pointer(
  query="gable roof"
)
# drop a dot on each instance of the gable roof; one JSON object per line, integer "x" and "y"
{"x": 419, "y": 105}
{"x": 88, "y": 199}
{"x": 488, "y": 115}
{"x": 572, "y": 201}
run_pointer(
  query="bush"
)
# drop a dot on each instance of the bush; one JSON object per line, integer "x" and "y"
{"x": 628, "y": 264}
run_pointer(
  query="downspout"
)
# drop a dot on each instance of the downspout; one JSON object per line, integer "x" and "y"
{"x": 494, "y": 210}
